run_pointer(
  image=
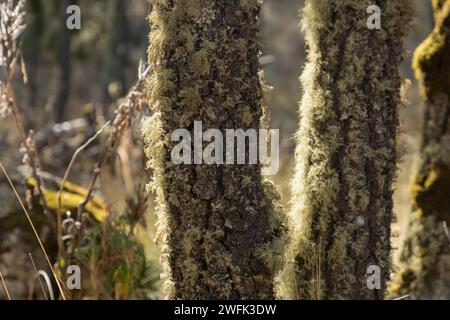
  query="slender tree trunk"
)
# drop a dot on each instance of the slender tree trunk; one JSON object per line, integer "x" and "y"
{"x": 64, "y": 63}
{"x": 346, "y": 153}
{"x": 220, "y": 225}
{"x": 426, "y": 252}
{"x": 34, "y": 58}
{"x": 116, "y": 60}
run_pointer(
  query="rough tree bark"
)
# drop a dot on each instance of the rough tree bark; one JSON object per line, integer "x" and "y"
{"x": 221, "y": 226}
{"x": 426, "y": 252}
{"x": 346, "y": 153}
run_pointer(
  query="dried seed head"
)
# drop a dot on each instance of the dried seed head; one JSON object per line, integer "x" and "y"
{"x": 5, "y": 109}
{"x": 132, "y": 105}
{"x": 12, "y": 25}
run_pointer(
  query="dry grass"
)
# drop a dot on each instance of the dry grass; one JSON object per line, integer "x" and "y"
{"x": 39, "y": 279}
{"x": 63, "y": 183}
{"x": 12, "y": 26}
{"x": 5, "y": 287}
{"x": 63, "y": 296}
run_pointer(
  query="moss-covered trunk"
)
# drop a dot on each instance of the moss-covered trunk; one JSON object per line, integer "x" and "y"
{"x": 220, "y": 225}
{"x": 425, "y": 256}
{"x": 346, "y": 153}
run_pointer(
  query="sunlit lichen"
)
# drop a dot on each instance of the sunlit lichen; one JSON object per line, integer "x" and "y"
{"x": 221, "y": 228}
{"x": 425, "y": 256}
{"x": 346, "y": 150}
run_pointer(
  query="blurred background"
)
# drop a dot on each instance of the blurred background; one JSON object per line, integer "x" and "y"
{"x": 77, "y": 79}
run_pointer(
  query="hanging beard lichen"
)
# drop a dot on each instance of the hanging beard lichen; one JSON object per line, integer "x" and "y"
{"x": 220, "y": 226}
{"x": 425, "y": 257}
{"x": 346, "y": 150}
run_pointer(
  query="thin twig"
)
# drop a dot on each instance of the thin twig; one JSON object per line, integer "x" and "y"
{"x": 34, "y": 229}
{"x": 319, "y": 271}
{"x": 447, "y": 234}
{"x": 32, "y": 156}
{"x": 61, "y": 281}
{"x": 12, "y": 27}
{"x": 124, "y": 114}
{"x": 63, "y": 182}
{"x": 4, "y": 286}
{"x": 35, "y": 270}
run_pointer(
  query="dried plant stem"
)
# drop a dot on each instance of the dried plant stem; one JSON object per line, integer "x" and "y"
{"x": 5, "y": 287}
{"x": 95, "y": 175}
{"x": 124, "y": 115}
{"x": 63, "y": 182}
{"x": 34, "y": 161}
{"x": 34, "y": 230}
{"x": 15, "y": 112}
{"x": 39, "y": 279}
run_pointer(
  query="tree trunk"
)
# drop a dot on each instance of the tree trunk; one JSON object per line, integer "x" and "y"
{"x": 33, "y": 59}
{"x": 346, "y": 153}
{"x": 426, "y": 252}
{"x": 64, "y": 63}
{"x": 116, "y": 59}
{"x": 221, "y": 226}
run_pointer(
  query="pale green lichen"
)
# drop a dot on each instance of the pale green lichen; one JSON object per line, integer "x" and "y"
{"x": 425, "y": 256}
{"x": 221, "y": 228}
{"x": 199, "y": 63}
{"x": 346, "y": 153}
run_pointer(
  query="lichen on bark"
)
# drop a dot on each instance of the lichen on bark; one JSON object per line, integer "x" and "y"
{"x": 346, "y": 150}
{"x": 425, "y": 256}
{"x": 221, "y": 227}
